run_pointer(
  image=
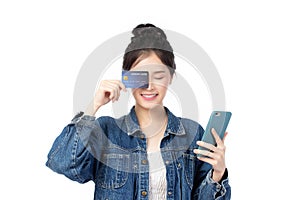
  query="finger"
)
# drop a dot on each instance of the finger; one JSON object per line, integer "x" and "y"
{"x": 217, "y": 137}
{"x": 116, "y": 89}
{"x": 213, "y": 155}
{"x": 207, "y": 160}
{"x": 206, "y": 156}
{"x": 111, "y": 90}
{"x": 120, "y": 85}
{"x": 207, "y": 146}
{"x": 203, "y": 152}
{"x": 104, "y": 88}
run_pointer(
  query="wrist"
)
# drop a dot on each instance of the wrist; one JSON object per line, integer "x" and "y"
{"x": 218, "y": 175}
{"x": 91, "y": 109}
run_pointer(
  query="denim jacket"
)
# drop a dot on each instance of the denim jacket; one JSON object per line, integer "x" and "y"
{"x": 112, "y": 153}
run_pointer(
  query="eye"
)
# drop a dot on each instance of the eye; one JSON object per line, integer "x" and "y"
{"x": 159, "y": 78}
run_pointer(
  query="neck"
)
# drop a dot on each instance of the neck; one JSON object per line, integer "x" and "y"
{"x": 150, "y": 117}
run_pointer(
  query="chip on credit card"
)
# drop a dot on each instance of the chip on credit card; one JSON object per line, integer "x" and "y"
{"x": 135, "y": 79}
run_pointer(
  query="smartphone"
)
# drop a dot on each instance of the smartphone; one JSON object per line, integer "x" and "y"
{"x": 219, "y": 121}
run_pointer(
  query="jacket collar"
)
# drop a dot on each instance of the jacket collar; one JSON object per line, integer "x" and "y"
{"x": 174, "y": 125}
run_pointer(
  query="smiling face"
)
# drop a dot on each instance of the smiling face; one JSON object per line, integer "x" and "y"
{"x": 159, "y": 79}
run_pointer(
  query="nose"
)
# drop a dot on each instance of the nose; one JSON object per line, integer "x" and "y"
{"x": 150, "y": 85}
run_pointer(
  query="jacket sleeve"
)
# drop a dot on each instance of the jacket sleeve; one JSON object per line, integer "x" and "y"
{"x": 69, "y": 154}
{"x": 212, "y": 190}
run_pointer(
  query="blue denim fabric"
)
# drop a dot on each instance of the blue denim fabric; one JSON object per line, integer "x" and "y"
{"x": 112, "y": 153}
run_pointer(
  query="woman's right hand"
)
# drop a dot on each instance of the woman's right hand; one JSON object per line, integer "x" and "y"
{"x": 108, "y": 90}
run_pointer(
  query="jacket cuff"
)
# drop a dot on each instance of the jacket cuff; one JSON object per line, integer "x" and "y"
{"x": 81, "y": 117}
{"x": 219, "y": 187}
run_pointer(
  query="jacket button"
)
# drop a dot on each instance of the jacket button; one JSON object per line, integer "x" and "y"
{"x": 144, "y": 193}
{"x": 144, "y": 162}
{"x": 169, "y": 193}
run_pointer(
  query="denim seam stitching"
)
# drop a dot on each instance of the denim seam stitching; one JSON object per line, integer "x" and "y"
{"x": 73, "y": 154}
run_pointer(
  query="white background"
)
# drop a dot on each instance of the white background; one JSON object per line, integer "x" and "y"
{"x": 254, "y": 45}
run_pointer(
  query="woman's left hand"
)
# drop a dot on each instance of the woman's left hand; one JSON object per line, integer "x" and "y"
{"x": 215, "y": 155}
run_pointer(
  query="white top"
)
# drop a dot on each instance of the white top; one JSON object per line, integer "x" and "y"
{"x": 157, "y": 177}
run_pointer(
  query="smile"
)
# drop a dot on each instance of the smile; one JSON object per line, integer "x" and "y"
{"x": 149, "y": 96}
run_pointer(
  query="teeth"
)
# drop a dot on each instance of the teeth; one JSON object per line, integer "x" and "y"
{"x": 148, "y": 95}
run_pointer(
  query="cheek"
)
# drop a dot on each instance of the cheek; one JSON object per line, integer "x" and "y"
{"x": 162, "y": 83}
{"x": 135, "y": 92}
{"x": 162, "y": 88}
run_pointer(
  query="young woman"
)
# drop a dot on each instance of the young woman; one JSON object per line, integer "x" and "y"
{"x": 148, "y": 153}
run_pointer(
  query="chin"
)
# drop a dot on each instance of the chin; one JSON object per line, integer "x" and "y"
{"x": 148, "y": 106}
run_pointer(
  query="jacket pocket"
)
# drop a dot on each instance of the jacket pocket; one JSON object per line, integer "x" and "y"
{"x": 189, "y": 168}
{"x": 113, "y": 172}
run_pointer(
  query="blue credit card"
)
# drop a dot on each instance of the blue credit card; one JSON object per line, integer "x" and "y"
{"x": 135, "y": 79}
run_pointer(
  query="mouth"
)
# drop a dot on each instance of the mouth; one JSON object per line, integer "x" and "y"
{"x": 149, "y": 96}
